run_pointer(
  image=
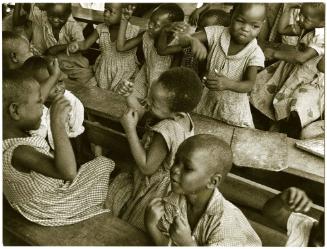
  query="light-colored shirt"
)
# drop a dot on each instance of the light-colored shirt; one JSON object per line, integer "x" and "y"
{"x": 222, "y": 224}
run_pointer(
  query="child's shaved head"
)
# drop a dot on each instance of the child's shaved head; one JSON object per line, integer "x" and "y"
{"x": 243, "y": 7}
{"x": 218, "y": 153}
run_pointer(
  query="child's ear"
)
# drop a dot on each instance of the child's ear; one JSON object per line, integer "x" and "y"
{"x": 13, "y": 57}
{"x": 13, "y": 111}
{"x": 214, "y": 181}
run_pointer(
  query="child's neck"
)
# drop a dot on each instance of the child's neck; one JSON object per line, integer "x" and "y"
{"x": 11, "y": 131}
{"x": 235, "y": 48}
{"x": 199, "y": 200}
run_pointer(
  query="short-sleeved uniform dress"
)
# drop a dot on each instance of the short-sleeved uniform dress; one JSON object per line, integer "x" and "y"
{"x": 284, "y": 87}
{"x": 228, "y": 106}
{"x": 112, "y": 66}
{"x": 54, "y": 202}
{"x": 134, "y": 192}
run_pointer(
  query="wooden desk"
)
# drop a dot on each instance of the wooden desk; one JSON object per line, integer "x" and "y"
{"x": 111, "y": 106}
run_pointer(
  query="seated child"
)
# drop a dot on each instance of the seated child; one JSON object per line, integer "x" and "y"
{"x": 292, "y": 89}
{"x": 154, "y": 63}
{"x": 234, "y": 58}
{"x": 171, "y": 97}
{"x": 286, "y": 210}
{"x": 112, "y": 66}
{"x": 52, "y": 31}
{"x": 15, "y": 50}
{"x": 38, "y": 67}
{"x": 46, "y": 189}
{"x": 195, "y": 213}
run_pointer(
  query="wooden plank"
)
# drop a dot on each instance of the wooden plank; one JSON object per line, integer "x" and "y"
{"x": 101, "y": 230}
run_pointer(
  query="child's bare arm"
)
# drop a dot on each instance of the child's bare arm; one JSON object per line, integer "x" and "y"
{"x": 163, "y": 47}
{"x": 194, "y": 17}
{"x": 292, "y": 56}
{"x": 153, "y": 213}
{"x": 83, "y": 45}
{"x": 280, "y": 207}
{"x": 321, "y": 65}
{"x": 54, "y": 72}
{"x": 122, "y": 43}
{"x": 147, "y": 162}
{"x": 220, "y": 82}
{"x": 197, "y": 42}
{"x": 284, "y": 28}
{"x": 63, "y": 165}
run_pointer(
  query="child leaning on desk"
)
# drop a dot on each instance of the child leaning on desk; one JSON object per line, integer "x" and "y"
{"x": 112, "y": 66}
{"x": 46, "y": 188}
{"x": 195, "y": 213}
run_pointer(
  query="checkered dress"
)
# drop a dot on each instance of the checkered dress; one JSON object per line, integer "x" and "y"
{"x": 137, "y": 190}
{"x": 222, "y": 224}
{"x": 54, "y": 202}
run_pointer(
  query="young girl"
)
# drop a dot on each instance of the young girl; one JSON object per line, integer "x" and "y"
{"x": 46, "y": 189}
{"x": 233, "y": 60}
{"x": 51, "y": 32}
{"x": 287, "y": 211}
{"x": 112, "y": 66}
{"x": 292, "y": 90}
{"x": 38, "y": 68}
{"x": 154, "y": 64}
{"x": 195, "y": 213}
{"x": 169, "y": 101}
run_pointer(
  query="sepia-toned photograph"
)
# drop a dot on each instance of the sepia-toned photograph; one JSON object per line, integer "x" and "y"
{"x": 163, "y": 124}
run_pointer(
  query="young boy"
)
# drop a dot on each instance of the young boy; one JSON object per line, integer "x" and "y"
{"x": 15, "y": 50}
{"x": 286, "y": 211}
{"x": 195, "y": 213}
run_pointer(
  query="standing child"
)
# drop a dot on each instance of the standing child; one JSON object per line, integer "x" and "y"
{"x": 286, "y": 210}
{"x": 46, "y": 189}
{"x": 154, "y": 64}
{"x": 112, "y": 66}
{"x": 195, "y": 213}
{"x": 293, "y": 88}
{"x": 15, "y": 50}
{"x": 171, "y": 97}
{"x": 38, "y": 67}
{"x": 233, "y": 61}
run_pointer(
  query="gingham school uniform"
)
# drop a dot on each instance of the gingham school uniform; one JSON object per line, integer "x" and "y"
{"x": 139, "y": 189}
{"x": 222, "y": 224}
{"x": 298, "y": 229}
{"x": 54, "y": 202}
{"x": 153, "y": 67}
{"x": 112, "y": 66}
{"x": 228, "y": 106}
{"x": 74, "y": 125}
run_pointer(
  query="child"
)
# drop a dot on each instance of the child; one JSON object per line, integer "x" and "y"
{"x": 112, "y": 66}
{"x": 233, "y": 60}
{"x": 38, "y": 68}
{"x": 171, "y": 97}
{"x": 46, "y": 189}
{"x": 15, "y": 50}
{"x": 286, "y": 211}
{"x": 195, "y": 213}
{"x": 292, "y": 90}
{"x": 154, "y": 64}
{"x": 52, "y": 31}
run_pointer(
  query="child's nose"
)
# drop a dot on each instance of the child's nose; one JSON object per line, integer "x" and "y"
{"x": 246, "y": 27}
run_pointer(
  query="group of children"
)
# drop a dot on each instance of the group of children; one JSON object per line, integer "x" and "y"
{"x": 172, "y": 192}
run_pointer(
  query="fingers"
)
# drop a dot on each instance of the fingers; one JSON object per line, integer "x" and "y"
{"x": 291, "y": 195}
{"x": 303, "y": 205}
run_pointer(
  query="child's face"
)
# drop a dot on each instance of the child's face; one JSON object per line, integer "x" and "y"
{"x": 58, "y": 15}
{"x": 42, "y": 76}
{"x": 157, "y": 21}
{"x": 246, "y": 24}
{"x": 31, "y": 109}
{"x": 190, "y": 172}
{"x": 158, "y": 101}
{"x": 309, "y": 18}
{"x": 23, "y": 52}
{"x": 112, "y": 13}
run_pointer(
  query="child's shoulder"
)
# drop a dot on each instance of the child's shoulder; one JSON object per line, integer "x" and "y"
{"x": 34, "y": 141}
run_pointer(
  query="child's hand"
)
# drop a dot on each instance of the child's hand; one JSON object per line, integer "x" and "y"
{"x": 180, "y": 232}
{"x": 154, "y": 212}
{"x": 53, "y": 68}
{"x": 296, "y": 199}
{"x": 217, "y": 83}
{"x": 60, "y": 109}
{"x": 73, "y": 47}
{"x": 125, "y": 88}
{"x": 129, "y": 119}
{"x": 269, "y": 54}
{"x": 176, "y": 27}
{"x": 127, "y": 12}
{"x": 198, "y": 49}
